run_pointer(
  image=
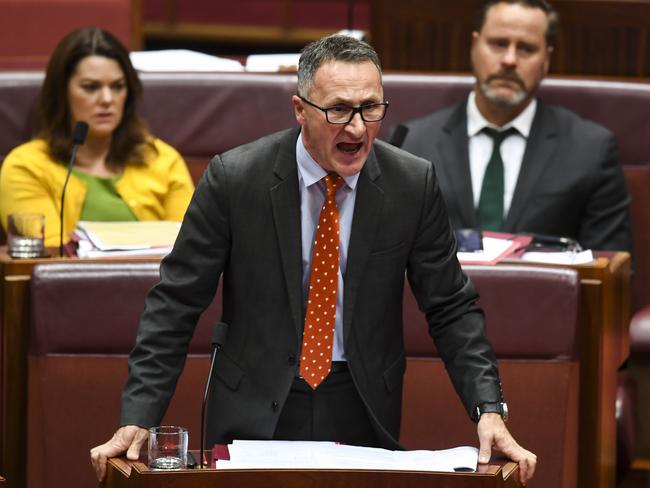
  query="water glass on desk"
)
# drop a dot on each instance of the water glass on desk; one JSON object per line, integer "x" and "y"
{"x": 26, "y": 235}
{"x": 167, "y": 447}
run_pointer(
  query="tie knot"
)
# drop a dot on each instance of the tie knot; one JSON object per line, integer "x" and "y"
{"x": 498, "y": 136}
{"x": 332, "y": 182}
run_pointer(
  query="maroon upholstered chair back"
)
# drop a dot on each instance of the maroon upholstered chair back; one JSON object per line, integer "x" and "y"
{"x": 203, "y": 114}
{"x": 84, "y": 319}
{"x": 532, "y": 322}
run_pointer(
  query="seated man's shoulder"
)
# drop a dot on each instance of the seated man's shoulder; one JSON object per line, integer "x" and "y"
{"x": 568, "y": 121}
{"x": 433, "y": 119}
{"x": 264, "y": 146}
{"x": 399, "y": 159}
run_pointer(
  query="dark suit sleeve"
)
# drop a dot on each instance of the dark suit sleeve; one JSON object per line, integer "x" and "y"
{"x": 189, "y": 279}
{"x": 606, "y": 220}
{"x": 448, "y": 299}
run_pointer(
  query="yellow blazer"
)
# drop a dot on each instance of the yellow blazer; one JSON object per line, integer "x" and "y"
{"x": 31, "y": 181}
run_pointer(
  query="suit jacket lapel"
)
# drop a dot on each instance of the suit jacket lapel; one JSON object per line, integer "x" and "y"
{"x": 454, "y": 154}
{"x": 540, "y": 146}
{"x": 285, "y": 200}
{"x": 365, "y": 223}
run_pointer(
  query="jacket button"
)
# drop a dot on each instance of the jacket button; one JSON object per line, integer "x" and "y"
{"x": 274, "y": 406}
{"x": 292, "y": 360}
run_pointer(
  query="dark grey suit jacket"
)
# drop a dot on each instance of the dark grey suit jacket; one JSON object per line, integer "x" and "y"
{"x": 570, "y": 183}
{"x": 244, "y": 222}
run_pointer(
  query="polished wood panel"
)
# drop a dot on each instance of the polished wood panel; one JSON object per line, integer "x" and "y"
{"x": 595, "y": 37}
{"x": 126, "y": 474}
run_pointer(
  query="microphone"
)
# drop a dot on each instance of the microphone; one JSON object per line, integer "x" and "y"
{"x": 399, "y": 134}
{"x": 78, "y": 138}
{"x": 219, "y": 336}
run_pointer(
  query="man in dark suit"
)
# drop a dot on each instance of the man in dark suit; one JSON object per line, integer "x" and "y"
{"x": 559, "y": 173}
{"x": 315, "y": 345}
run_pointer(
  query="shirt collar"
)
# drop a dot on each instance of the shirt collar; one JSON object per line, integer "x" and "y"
{"x": 476, "y": 122}
{"x": 311, "y": 172}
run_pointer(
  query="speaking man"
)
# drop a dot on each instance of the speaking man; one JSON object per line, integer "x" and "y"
{"x": 312, "y": 230}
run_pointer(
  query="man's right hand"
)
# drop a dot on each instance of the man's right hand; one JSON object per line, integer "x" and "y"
{"x": 129, "y": 439}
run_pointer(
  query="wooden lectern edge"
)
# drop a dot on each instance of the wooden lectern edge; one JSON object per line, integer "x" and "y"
{"x": 509, "y": 470}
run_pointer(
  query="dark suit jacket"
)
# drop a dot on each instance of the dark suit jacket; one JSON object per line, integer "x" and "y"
{"x": 244, "y": 222}
{"x": 570, "y": 183}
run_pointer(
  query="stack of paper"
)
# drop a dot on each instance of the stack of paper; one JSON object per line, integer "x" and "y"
{"x": 98, "y": 239}
{"x": 560, "y": 257}
{"x": 330, "y": 455}
{"x": 174, "y": 60}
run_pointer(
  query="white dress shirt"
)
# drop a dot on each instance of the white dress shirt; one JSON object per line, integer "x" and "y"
{"x": 312, "y": 196}
{"x": 512, "y": 149}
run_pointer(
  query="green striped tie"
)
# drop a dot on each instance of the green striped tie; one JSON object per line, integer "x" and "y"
{"x": 489, "y": 213}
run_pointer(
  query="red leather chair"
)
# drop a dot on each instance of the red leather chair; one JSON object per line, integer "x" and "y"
{"x": 532, "y": 322}
{"x": 83, "y": 325}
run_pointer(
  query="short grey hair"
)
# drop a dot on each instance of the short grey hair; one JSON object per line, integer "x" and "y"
{"x": 336, "y": 47}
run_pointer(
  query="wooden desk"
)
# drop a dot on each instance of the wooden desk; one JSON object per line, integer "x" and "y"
{"x": 14, "y": 342}
{"x": 604, "y": 345}
{"x": 126, "y": 474}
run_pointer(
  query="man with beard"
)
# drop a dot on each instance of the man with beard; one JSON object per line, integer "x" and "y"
{"x": 508, "y": 162}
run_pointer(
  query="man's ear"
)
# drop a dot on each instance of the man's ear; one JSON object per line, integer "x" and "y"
{"x": 475, "y": 35}
{"x": 298, "y": 109}
{"x": 547, "y": 64}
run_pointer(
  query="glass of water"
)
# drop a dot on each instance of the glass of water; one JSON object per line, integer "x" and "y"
{"x": 167, "y": 447}
{"x": 25, "y": 235}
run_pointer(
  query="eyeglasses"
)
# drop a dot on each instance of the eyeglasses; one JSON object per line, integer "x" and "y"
{"x": 343, "y": 114}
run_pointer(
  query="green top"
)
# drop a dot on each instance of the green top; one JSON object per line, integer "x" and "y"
{"x": 103, "y": 203}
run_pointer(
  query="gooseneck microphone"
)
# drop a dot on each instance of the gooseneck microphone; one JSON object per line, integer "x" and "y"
{"x": 219, "y": 336}
{"x": 78, "y": 138}
{"x": 399, "y": 134}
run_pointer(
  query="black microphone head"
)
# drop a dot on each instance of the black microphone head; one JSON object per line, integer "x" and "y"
{"x": 79, "y": 133}
{"x": 219, "y": 334}
{"x": 397, "y": 139}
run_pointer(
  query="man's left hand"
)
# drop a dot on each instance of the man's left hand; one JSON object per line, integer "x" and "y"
{"x": 492, "y": 432}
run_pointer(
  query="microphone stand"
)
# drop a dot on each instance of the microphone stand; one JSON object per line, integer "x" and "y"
{"x": 78, "y": 138}
{"x": 219, "y": 334}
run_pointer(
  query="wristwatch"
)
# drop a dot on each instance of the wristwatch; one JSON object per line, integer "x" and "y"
{"x": 496, "y": 407}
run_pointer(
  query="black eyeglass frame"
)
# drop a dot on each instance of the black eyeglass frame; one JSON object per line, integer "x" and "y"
{"x": 355, "y": 110}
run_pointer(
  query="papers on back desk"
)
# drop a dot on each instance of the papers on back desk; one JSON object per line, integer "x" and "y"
{"x": 98, "y": 239}
{"x": 330, "y": 455}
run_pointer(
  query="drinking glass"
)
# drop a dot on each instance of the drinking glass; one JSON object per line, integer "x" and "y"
{"x": 26, "y": 235}
{"x": 167, "y": 447}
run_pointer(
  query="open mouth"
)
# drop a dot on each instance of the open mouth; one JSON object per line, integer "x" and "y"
{"x": 349, "y": 147}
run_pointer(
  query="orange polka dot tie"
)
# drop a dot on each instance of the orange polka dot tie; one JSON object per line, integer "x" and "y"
{"x": 318, "y": 334}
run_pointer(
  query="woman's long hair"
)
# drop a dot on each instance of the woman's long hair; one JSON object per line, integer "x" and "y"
{"x": 131, "y": 139}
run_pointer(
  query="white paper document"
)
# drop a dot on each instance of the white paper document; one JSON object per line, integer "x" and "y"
{"x": 172, "y": 60}
{"x": 330, "y": 455}
{"x": 493, "y": 250}
{"x": 141, "y": 238}
{"x": 565, "y": 257}
{"x": 272, "y": 62}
